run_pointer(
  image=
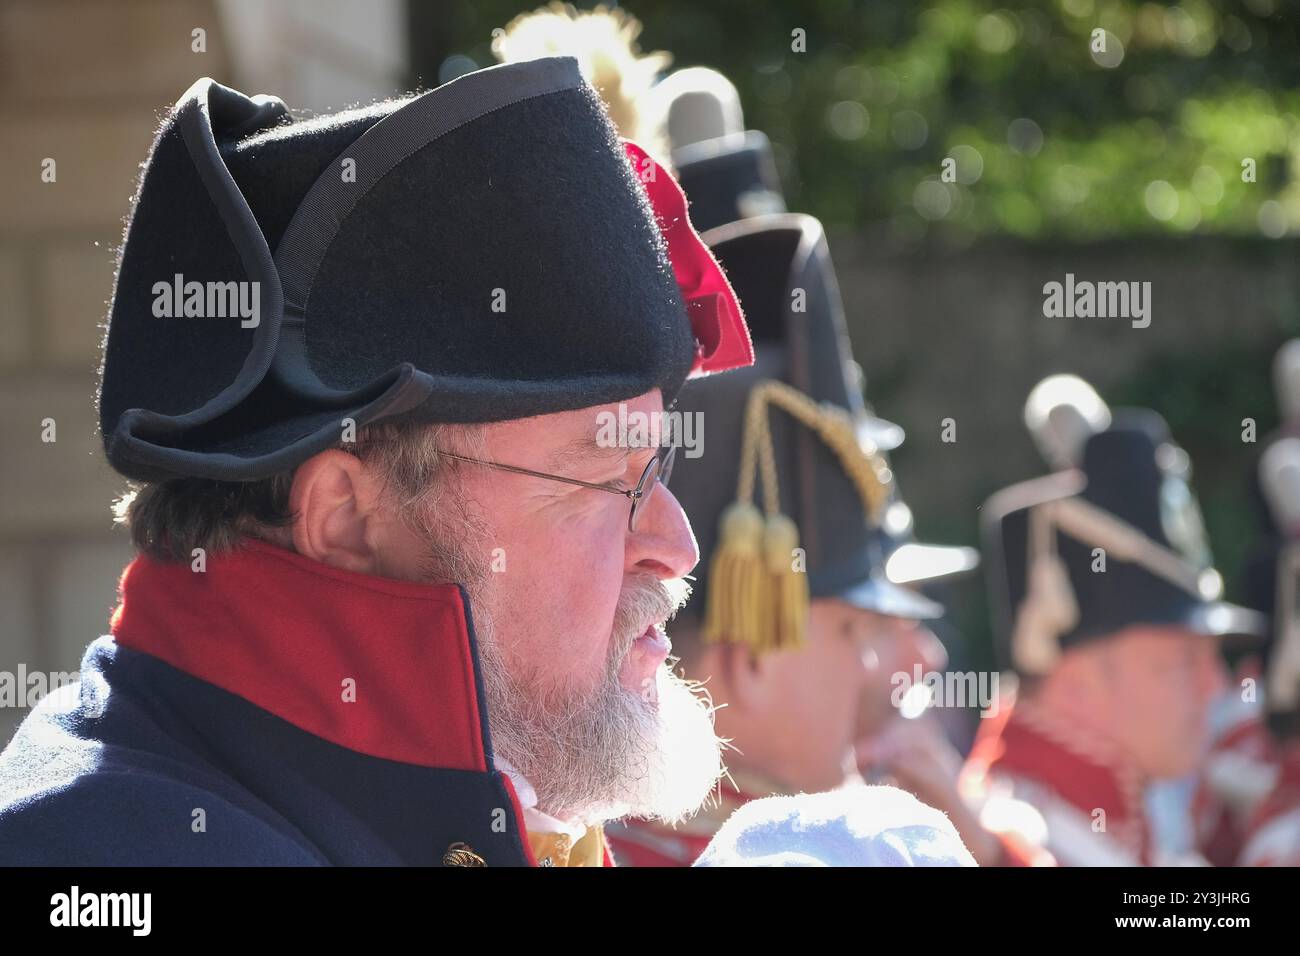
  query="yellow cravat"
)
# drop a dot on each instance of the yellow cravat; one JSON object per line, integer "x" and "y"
{"x": 558, "y": 849}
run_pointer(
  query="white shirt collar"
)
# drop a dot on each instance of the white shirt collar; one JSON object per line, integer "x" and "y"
{"x": 534, "y": 819}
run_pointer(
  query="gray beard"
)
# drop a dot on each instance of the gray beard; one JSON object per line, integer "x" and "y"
{"x": 608, "y": 753}
{"x": 599, "y": 755}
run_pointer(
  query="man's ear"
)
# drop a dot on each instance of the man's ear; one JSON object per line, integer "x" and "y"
{"x": 334, "y": 501}
{"x": 745, "y": 674}
{"x": 1083, "y": 680}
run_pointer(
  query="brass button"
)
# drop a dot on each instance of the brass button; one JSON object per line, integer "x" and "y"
{"x": 460, "y": 854}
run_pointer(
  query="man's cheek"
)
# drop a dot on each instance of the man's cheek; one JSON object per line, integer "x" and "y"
{"x": 588, "y": 623}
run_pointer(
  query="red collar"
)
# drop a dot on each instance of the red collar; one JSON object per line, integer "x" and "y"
{"x": 383, "y": 667}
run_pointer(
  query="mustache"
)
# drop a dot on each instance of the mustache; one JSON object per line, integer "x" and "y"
{"x": 646, "y": 600}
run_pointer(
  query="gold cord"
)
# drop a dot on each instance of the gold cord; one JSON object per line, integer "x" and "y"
{"x": 758, "y": 585}
{"x": 861, "y": 461}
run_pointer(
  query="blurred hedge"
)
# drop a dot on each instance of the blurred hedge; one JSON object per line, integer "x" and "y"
{"x": 1049, "y": 136}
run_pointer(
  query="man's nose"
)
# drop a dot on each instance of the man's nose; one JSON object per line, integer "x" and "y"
{"x": 930, "y": 648}
{"x": 918, "y": 645}
{"x": 663, "y": 543}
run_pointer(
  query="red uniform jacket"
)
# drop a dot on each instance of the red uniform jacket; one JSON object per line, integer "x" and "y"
{"x": 1273, "y": 835}
{"x": 1088, "y": 796}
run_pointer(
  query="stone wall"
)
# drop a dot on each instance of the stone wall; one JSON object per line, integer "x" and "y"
{"x": 962, "y": 335}
{"x": 85, "y": 82}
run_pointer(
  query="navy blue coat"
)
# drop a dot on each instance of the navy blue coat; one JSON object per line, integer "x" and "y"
{"x": 266, "y": 711}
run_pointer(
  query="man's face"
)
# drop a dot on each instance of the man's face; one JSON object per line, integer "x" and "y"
{"x": 891, "y": 646}
{"x": 1158, "y": 683}
{"x": 569, "y": 606}
{"x": 563, "y": 553}
{"x": 818, "y": 690}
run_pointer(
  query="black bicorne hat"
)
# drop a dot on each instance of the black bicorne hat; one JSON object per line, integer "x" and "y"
{"x": 1085, "y": 553}
{"x": 485, "y": 251}
{"x": 829, "y": 458}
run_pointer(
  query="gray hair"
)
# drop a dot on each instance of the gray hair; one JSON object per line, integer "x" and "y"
{"x": 169, "y": 519}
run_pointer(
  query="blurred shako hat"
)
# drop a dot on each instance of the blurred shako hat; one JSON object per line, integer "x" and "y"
{"x": 793, "y": 496}
{"x": 487, "y": 250}
{"x": 1113, "y": 541}
{"x": 1272, "y": 568}
{"x": 1286, "y": 381}
{"x": 1279, "y": 479}
{"x": 1062, "y": 413}
{"x": 727, "y": 171}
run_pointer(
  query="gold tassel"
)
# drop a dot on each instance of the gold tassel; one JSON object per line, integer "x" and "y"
{"x": 757, "y": 596}
{"x": 739, "y": 599}
{"x": 787, "y": 585}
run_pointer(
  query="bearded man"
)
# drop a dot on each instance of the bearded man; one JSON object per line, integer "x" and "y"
{"x": 395, "y": 602}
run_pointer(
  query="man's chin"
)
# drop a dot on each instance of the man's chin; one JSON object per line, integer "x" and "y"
{"x": 619, "y": 753}
{"x": 684, "y": 756}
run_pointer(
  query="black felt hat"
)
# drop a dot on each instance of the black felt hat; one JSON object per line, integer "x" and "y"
{"x": 829, "y": 451}
{"x": 485, "y": 251}
{"x": 1085, "y": 553}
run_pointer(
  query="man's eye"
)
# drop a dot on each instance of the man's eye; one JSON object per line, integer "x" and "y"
{"x": 624, "y": 481}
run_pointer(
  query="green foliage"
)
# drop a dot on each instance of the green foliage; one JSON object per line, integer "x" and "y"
{"x": 1050, "y": 137}
{"x": 1205, "y": 396}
